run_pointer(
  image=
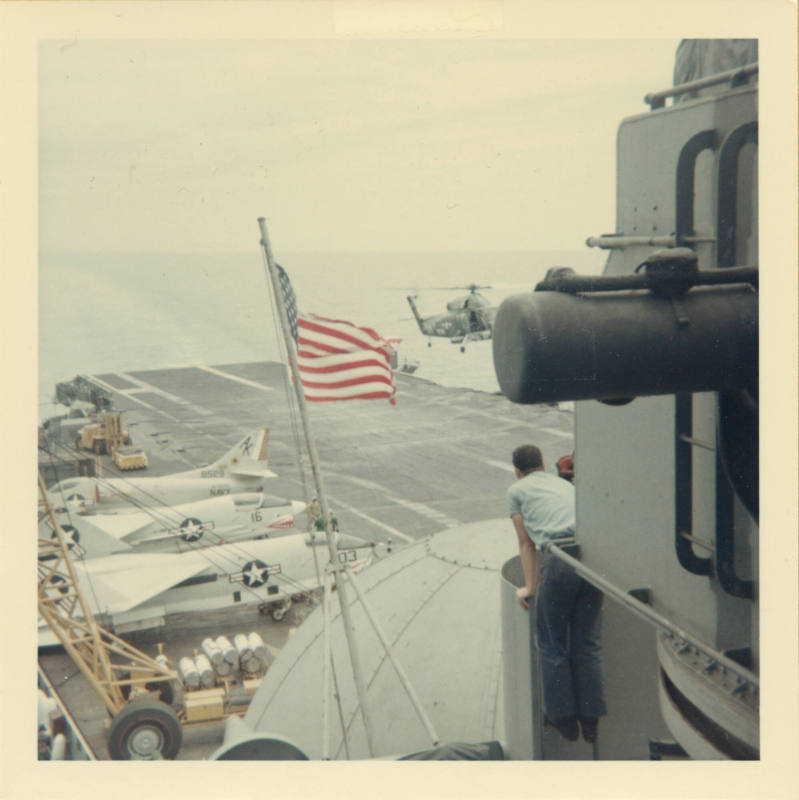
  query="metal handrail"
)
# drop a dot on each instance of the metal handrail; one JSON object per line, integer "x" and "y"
{"x": 645, "y": 612}
{"x": 735, "y": 77}
{"x": 566, "y": 280}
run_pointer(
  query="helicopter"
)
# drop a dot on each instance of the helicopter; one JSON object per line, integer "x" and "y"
{"x": 468, "y": 318}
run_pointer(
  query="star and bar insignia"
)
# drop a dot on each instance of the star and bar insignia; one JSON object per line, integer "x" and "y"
{"x": 254, "y": 573}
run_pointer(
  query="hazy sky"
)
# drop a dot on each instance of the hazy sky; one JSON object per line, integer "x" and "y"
{"x": 342, "y": 145}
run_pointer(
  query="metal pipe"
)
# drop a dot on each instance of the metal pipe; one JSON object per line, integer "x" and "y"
{"x": 611, "y": 242}
{"x": 326, "y": 655}
{"x": 317, "y": 476}
{"x": 614, "y": 242}
{"x": 397, "y": 666}
{"x": 646, "y": 613}
{"x": 733, "y": 76}
{"x": 730, "y": 190}
{"x": 684, "y": 487}
{"x": 566, "y": 280}
{"x": 696, "y": 442}
{"x": 700, "y": 142}
{"x": 698, "y": 542}
{"x": 729, "y": 580}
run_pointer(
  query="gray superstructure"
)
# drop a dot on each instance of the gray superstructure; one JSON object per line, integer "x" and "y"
{"x": 667, "y": 461}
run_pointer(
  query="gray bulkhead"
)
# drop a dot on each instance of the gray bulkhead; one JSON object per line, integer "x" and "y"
{"x": 626, "y": 455}
{"x": 667, "y": 463}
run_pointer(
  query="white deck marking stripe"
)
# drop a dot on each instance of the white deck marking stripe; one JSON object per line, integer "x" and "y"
{"x": 161, "y": 411}
{"x": 462, "y": 410}
{"x": 374, "y": 521}
{"x": 556, "y": 432}
{"x": 497, "y": 464}
{"x": 419, "y": 508}
{"x": 143, "y": 386}
{"x": 103, "y": 385}
{"x": 236, "y": 378}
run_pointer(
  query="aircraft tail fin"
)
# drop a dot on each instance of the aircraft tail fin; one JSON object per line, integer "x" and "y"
{"x": 86, "y": 540}
{"x": 249, "y": 456}
{"x": 416, "y": 315}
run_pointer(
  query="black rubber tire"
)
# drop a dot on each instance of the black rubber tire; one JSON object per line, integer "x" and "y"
{"x": 144, "y": 730}
{"x": 167, "y": 691}
{"x": 171, "y": 692}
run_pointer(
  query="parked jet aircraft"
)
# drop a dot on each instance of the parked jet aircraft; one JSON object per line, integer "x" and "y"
{"x": 218, "y": 520}
{"x": 241, "y": 469}
{"x": 131, "y": 591}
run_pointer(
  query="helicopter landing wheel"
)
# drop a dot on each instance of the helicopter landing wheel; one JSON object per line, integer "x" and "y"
{"x": 463, "y": 349}
{"x": 144, "y": 730}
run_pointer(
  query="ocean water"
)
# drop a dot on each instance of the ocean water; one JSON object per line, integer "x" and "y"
{"x": 115, "y": 312}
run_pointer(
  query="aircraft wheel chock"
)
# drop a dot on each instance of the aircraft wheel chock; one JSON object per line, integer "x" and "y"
{"x": 144, "y": 730}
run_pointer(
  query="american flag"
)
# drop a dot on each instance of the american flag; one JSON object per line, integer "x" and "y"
{"x": 336, "y": 359}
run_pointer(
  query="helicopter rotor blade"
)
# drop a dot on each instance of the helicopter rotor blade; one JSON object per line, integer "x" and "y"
{"x": 472, "y": 287}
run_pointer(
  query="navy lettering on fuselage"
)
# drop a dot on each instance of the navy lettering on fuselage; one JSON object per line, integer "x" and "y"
{"x": 212, "y": 473}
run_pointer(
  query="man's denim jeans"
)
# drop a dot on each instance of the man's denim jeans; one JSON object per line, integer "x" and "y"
{"x": 569, "y": 624}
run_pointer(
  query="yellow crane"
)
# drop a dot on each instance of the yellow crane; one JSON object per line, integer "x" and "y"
{"x": 137, "y": 691}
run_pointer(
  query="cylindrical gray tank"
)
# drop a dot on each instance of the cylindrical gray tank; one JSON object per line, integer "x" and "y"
{"x": 552, "y": 346}
{"x": 519, "y": 670}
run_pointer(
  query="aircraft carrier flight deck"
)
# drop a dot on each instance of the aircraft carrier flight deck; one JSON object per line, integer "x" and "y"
{"x": 437, "y": 459}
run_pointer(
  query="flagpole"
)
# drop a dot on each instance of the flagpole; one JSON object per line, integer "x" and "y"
{"x": 317, "y": 478}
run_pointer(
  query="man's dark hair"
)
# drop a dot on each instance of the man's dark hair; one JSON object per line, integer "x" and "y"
{"x": 527, "y": 458}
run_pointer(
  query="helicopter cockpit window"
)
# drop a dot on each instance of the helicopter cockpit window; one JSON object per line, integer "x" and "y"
{"x": 457, "y": 305}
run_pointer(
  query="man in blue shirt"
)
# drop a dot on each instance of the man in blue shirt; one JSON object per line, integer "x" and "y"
{"x": 568, "y": 609}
